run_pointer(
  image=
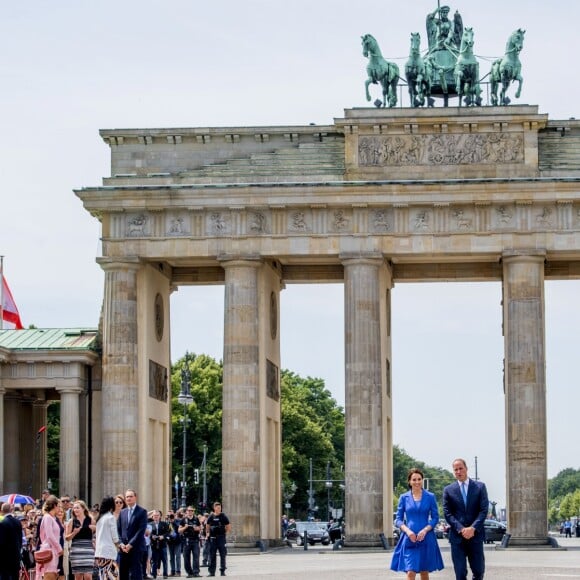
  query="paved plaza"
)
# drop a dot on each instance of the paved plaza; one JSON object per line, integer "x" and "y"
{"x": 342, "y": 565}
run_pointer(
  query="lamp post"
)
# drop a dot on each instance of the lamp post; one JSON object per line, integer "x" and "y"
{"x": 185, "y": 399}
{"x": 328, "y": 488}
{"x": 176, "y": 505}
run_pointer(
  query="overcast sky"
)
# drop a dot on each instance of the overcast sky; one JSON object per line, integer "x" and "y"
{"x": 72, "y": 67}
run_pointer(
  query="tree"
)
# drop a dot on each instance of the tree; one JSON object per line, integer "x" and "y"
{"x": 204, "y": 426}
{"x": 312, "y": 427}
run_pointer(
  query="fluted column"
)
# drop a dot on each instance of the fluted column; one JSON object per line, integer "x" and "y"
{"x": 39, "y": 472}
{"x": 2, "y": 452}
{"x": 12, "y": 479}
{"x": 120, "y": 400}
{"x": 365, "y": 457}
{"x": 69, "y": 460}
{"x": 241, "y": 400}
{"x": 525, "y": 397}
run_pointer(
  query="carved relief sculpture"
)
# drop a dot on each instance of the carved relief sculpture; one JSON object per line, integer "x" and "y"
{"x": 257, "y": 222}
{"x": 380, "y": 221}
{"x": 340, "y": 222}
{"x": 401, "y": 150}
{"x": 136, "y": 225}
{"x": 505, "y": 216}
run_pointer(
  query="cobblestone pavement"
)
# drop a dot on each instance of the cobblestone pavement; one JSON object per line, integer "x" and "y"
{"x": 323, "y": 563}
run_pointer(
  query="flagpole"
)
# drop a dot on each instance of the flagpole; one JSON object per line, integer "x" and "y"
{"x": 1, "y": 292}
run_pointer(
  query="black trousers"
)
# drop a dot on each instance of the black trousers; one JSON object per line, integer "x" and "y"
{"x": 191, "y": 556}
{"x": 158, "y": 559}
{"x": 217, "y": 544}
{"x": 468, "y": 551}
{"x": 130, "y": 565}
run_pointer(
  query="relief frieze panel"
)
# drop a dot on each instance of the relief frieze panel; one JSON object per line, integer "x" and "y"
{"x": 137, "y": 226}
{"x": 218, "y": 223}
{"x": 381, "y": 220}
{"x": 340, "y": 221}
{"x": 257, "y": 223}
{"x": 176, "y": 225}
{"x": 464, "y": 149}
{"x": 299, "y": 221}
{"x": 390, "y": 219}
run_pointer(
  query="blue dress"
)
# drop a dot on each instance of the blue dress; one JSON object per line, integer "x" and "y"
{"x": 422, "y": 556}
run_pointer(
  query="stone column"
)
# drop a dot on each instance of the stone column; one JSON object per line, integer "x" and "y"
{"x": 241, "y": 400}
{"x": 2, "y": 427}
{"x": 120, "y": 391}
{"x": 525, "y": 397}
{"x": 39, "y": 420}
{"x": 364, "y": 454}
{"x": 69, "y": 460}
{"x": 12, "y": 479}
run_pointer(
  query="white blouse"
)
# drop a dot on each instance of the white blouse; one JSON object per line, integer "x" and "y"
{"x": 107, "y": 537}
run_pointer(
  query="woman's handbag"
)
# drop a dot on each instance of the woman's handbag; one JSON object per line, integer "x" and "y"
{"x": 43, "y": 555}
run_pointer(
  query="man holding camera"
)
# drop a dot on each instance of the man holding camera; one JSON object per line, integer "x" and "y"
{"x": 159, "y": 535}
{"x": 217, "y": 526}
{"x": 189, "y": 529}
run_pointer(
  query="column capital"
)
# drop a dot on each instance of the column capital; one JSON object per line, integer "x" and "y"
{"x": 524, "y": 255}
{"x": 233, "y": 260}
{"x": 69, "y": 390}
{"x": 126, "y": 263}
{"x": 369, "y": 258}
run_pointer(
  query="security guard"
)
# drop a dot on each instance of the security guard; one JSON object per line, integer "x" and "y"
{"x": 217, "y": 526}
{"x": 189, "y": 530}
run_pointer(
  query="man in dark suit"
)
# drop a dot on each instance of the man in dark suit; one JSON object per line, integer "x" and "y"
{"x": 159, "y": 536}
{"x": 131, "y": 525}
{"x": 10, "y": 544}
{"x": 465, "y": 505}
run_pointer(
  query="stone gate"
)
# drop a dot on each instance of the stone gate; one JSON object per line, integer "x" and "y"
{"x": 377, "y": 197}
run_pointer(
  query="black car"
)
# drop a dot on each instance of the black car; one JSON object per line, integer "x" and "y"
{"x": 494, "y": 531}
{"x": 316, "y": 533}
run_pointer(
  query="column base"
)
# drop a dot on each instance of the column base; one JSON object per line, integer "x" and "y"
{"x": 511, "y": 543}
{"x": 249, "y": 545}
{"x": 355, "y": 541}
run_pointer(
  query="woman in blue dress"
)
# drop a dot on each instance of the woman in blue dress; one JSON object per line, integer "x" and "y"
{"x": 417, "y": 550}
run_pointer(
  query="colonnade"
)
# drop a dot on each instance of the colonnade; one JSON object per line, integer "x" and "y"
{"x": 23, "y": 442}
{"x": 251, "y": 494}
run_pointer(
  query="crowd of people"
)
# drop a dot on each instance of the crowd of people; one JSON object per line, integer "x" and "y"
{"x": 64, "y": 539}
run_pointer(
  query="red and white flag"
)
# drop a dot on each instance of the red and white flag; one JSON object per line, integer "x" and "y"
{"x": 8, "y": 307}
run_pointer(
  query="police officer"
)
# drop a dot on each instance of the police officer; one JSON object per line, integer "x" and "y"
{"x": 189, "y": 529}
{"x": 217, "y": 526}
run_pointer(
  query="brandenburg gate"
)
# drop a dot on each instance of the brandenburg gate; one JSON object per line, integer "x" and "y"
{"x": 379, "y": 197}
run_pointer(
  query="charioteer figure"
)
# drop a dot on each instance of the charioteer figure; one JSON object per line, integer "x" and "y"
{"x": 443, "y": 33}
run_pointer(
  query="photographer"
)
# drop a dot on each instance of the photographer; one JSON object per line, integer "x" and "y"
{"x": 217, "y": 525}
{"x": 174, "y": 544}
{"x": 189, "y": 529}
{"x": 159, "y": 534}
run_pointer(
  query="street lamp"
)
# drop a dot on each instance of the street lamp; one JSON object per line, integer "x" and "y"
{"x": 176, "y": 505}
{"x": 185, "y": 399}
{"x": 328, "y": 488}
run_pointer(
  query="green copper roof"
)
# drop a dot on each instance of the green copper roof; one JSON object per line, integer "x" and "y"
{"x": 48, "y": 338}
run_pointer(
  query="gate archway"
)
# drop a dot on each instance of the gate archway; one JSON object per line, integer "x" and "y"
{"x": 377, "y": 197}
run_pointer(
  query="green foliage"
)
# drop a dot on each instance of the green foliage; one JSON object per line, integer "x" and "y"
{"x": 204, "y": 424}
{"x": 312, "y": 427}
{"x": 564, "y": 495}
{"x": 567, "y": 481}
{"x": 53, "y": 444}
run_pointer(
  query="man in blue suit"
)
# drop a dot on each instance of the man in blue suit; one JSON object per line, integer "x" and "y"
{"x": 131, "y": 525}
{"x": 465, "y": 505}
